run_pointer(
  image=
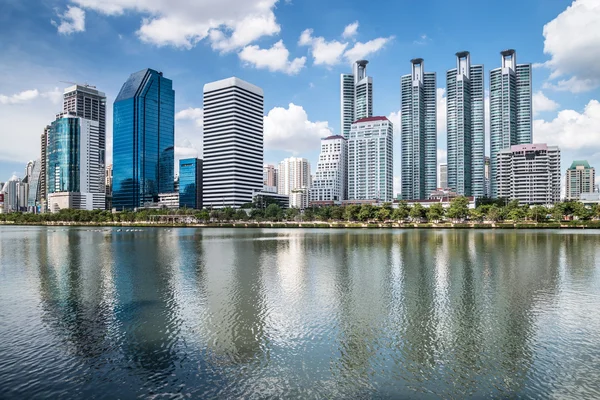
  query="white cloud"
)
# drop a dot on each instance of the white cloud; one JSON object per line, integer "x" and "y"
{"x": 423, "y": 40}
{"x": 350, "y": 30}
{"x": 333, "y": 52}
{"x": 541, "y": 103}
{"x": 55, "y": 95}
{"x": 571, "y": 130}
{"x": 442, "y": 156}
{"x": 73, "y": 20}
{"x": 228, "y": 24}
{"x": 395, "y": 118}
{"x": 289, "y": 129}
{"x": 19, "y": 98}
{"x": 572, "y": 40}
{"x": 193, "y": 114}
{"x": 184, "y": 149}
{"x": 274, "y": 59}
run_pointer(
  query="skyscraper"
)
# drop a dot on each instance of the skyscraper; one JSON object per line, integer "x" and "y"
{"x": 466, "y": 127}
{"x": 510, "y": 109}
{"x": 293, "y": 173}
{"x": 356, "y": 96}
{"x": 143, "y": 139}
{"x": 371, "y": 159}
{"x": 418, "y": 132}
{"x": 581, "y": 178}
{"x": 233, "y": 142}
{"x": 44, "y": 161}
{"x": 329, "y": 184}
{"x": 190, "y": 183}
{"x": 443, "y": 176}
{"x": 270, "y": 176}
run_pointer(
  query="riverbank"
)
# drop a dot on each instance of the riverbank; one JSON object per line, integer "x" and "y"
{"x": 326, "y": 225}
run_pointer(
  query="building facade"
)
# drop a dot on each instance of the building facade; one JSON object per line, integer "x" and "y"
{"x": 465, "y": 116}
{"x": 44, "y": 162}
{"x": 270, "y": 175}
{"x": 143, "y": 140}
{"x": 418, "y": 132}
{"x": 233, "y": 142}
{"x": 581, "y": 178}
{"x": 75, "y": 165}
{"x": 293, "y": 173}
{"x": 329, "y": 183}
{"x": 511, "y": 113}
{"x": 190, "y": 183}
{"x": 356, "y": 96}
{"x": 371, "y": 160}
{"x": 443, "y": 176}
{"x": 529, "y": 173}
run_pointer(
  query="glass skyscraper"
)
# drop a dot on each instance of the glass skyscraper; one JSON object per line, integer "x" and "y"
{"x": 143, "y": 140}
{"x": 510, "y": 109}
{"x": 190, "y": 183}
{"x": 63, "y": 168}
{"x": 418, "y": 132}
{"x": 466, "y": 127}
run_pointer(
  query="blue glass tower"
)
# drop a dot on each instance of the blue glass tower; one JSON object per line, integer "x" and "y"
{"x": 63, "y": 174}
{"x": 190, "y": 183}
{"x": 143, "y": 140}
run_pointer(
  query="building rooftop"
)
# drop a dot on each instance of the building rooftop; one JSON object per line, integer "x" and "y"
{"x": 333, "y": 137}
{"x": 580, "y": 163}
{"x": 371, "y": 119}
{"x": 233, "y": 81}
{"x": 530, "y": 147}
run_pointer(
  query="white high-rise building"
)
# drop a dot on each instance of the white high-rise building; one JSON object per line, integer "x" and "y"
{"x": 511, "y": 115}
{"x": 293, "y": 173}
{"x": 371, "y": 159}
{"x": 356, "y": 96}
{"x": 529, "y": 173}
{"x": 233, "y": 142}
{"x": 465, "y": 117}
{"x": 418, "y": 132}
{"x": 443, "y": 176}
{"x": 580, "y": 178}
{"x": 329, "y": 183}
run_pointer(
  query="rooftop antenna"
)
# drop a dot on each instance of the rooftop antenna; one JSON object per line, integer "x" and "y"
{"x": 80, "y": 84}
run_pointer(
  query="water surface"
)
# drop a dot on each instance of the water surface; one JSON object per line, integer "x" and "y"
{"x": 299, "y": 313}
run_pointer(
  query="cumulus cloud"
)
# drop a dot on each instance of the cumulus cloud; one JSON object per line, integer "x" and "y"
{"x": 395, "y": 118}
{"x": 227, "y": 24}
{"x": 350, "y": 30}
{"x": 72, "y": 20}
{"x": 571, "y": 130}
{"x": 192, "y": 114}
{"x": 572, "y": 40}
{"x": 334, "y": 52}
{"x": 19, "y": 98}
{"x": 541, "y": 103}
{"x": 55, "y": 95}
{"x": 289, "y": 129}
{"x": 275, "y": 59}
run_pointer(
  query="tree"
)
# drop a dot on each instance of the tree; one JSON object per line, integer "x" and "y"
{"x": 383, "y": 214}
{"x": 308, "y": 215}
{"x": 558, "y": 212}
{"x": 257, "y": 214}
{"x": 477, "y": 214}
{"x": 337, "y": 213}
{"x": 435, "y": 212}
{"x": 203, "y": 215}
{"x": 516, "y": 214}
{"x": 418, "y": 212}
{"x": 291, "y": 213}
{"x": 366, "y": 212}
{"x": 240, "y": 215}
{"x": 494, "y": 213}
{"x": 215, "y": 214}
{"x": 351, "y": 212}
{"x": 459, "y": 208}
{"x": 581, "y": 211}
{"x": 596, "y": 210}
{"x": 272, "y": 212}
{"x": 402, "y": 212}
{"x": 538, "y": 213}
{"x": 228, "y": 213}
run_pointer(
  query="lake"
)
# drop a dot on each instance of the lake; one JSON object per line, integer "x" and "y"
{"x": 299, "y": 313}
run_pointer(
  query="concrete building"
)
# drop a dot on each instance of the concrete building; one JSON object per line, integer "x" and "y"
{"x": 465, "y": 117}
{"x": 443, "y": 176}
{"x": 529, "y": 173}
{"x": 581, "y": 178}
{"x": 44, "y": 162}
{"x": 293, "y": 173}
{"x": 418, "y": 132}
{"x": 330, "y": 181}
{"x": 108, "y": 186}
{"x": 511, "y": 115}
{"x": 269, "y": 175}
{"x": 299, "y": 198}
{"x": 233, "y": 143}
{"x": 488, "y": 189}
{"x": 356, "y": 96}
{"x": 371, "y": 159}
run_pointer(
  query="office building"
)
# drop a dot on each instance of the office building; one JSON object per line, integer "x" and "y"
{"x": 465, "y": 118}
{"x": 510, "y": 109}
{"x": 443, "y": 176}
{"x": 75, "y": 167}
{"x": 371, "y": 160}
{"x": 11, "y": 194}
{"x": 44, "y": 161}
{"x": 581, "y": 178}
{"x": 329, "y": 183}
{"x": 233, "y": 143}
{"x": 108, "y": 184}
{"x": 529, "y": 173}
{"x": 270, "y": 178}
{"x": 143, "y": 140}
{"x": 356, "y": 96}
{"x": 190, "y": 183}
{"x": 299, "y": 198}
{"x": 293, "y": 173}
{"x": 488, "y": 189}
{"x": 34, "y": 179}
{"x": 418, "y": 132}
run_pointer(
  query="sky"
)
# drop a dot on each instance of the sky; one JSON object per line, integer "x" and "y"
{"x": 295, "y": 50}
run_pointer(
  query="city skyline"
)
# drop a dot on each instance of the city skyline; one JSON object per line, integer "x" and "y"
{"x": 315, "y": 107}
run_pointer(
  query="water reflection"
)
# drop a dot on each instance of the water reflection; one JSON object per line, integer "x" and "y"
{"x": 299, "y": 313}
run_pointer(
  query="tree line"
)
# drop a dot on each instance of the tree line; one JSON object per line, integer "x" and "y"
{"x": 486, "y": 210}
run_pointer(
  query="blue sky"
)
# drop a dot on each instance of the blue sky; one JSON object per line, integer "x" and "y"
{"x": 266, "y": 42}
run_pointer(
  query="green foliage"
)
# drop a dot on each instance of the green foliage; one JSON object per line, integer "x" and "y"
{"x": 418, "y": 212}
{"x": 435, "y": 212}
{"x": 459, "y": 208}
{"x": 538, "y": 213}
{"x": 402, "y": 212}
{"x": 272, "y": 212}
{"x": 494, "y": 213}
{"x": 384, "y": 214}
{"x": 351, "y": 212}
{"x": 291, "y": 214}
{"x": 366, "y": 212}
